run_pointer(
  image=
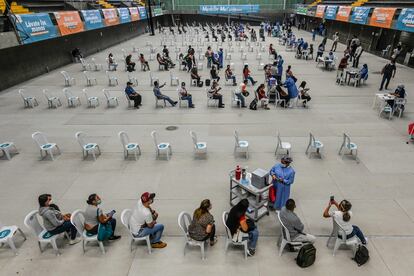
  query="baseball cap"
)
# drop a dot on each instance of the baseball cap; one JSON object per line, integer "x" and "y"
{"x": 145, "y": 197}
{"x": 287, "y": 159}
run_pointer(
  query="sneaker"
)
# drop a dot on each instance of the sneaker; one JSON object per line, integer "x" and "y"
{"x": 114, "y": 238}
{"x": 213, "y": 242}
{"x": 251, "y": 252}
{"x": 158, "y": 245}
{"x": 74, "y": 241}
{"x": 193, "y": 106}
{"x": 175, "y": 103}
{"x": 221, "y": 106}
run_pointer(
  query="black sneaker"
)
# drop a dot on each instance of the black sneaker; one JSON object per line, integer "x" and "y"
{"x": 114, "y": 238}
{"x": 251, "y": 252}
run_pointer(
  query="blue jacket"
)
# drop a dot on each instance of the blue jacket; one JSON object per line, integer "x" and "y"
{"x": 291, "y": 87}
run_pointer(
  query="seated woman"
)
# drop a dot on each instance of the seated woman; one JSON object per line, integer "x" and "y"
{"x": 246, "y": 74}
{"x": 195, "y": 75}
{"x": 242, "y": 228}
{"x": 186, "y": 96}
{"x": 214, "y": 94}
{"x": 343, "y": 217}
{"x": 363, "y": 73}
{"x": 111, "y": 62}
{"x": 202, "y": 226}
{"x": 189, "y": 60}
{"x": 167, "y": 59}
{"x": 130, "y": 65}
{"x": 229, "y": 75}
{"x": 283, "y": 95}
{"x": 303, "y": 93}
{"x": 145, "y": 65}
{"x": 162, "y": 62}
{"x": 261, "y": 94}
{"x": 213, "y": 73}
{"x": 272, "y": 51}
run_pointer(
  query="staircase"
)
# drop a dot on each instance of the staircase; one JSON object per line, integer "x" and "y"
{"x": 16, "y": 9}
{"x": 359, "y": 3}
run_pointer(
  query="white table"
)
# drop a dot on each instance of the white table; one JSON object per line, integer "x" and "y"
{"x": 382, "y": 98}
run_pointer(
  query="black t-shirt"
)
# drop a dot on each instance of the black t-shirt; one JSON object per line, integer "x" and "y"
{"x": 389, "y": 68}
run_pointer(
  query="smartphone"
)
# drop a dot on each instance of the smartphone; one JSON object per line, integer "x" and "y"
{"x": 110, "y": 214}
{"x": 332, "y": 198}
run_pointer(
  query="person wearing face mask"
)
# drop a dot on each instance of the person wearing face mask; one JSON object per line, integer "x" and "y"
{"x": 283, "y": 177}
{"x": 54, "y": 221}
{"x": 202, "y": 226}
{"x": 94, "y": 215}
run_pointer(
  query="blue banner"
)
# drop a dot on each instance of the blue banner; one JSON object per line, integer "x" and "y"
{"x": 35, "y": 27}
{"x": 330, "y": 12}
{"x": 405, "y": 21}
{"x": 229, "y": 9}
{"x": 360, "y": 15}
{"x": 93, "y": 19}
{"x": 124, "y": 16}
{"x": 142, "y": 13}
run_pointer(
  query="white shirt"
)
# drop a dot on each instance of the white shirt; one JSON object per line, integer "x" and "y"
{"x": 358, "y": 51}
{"x": 140, "y": 216}
{"x": 338, "y": 217}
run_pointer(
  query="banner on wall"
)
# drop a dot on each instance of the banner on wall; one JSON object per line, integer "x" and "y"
{"x": 301, "y": 10}
{"x": 124, "y": 15}
{"x": 360, "y": 15}
{"x": 405, "y": 21}
{"x": 330, "y": 12}
{"x": 320, "y": 11}
{"x": 157, "y": 11}
{"x": 382, "y": 17}
{"x": 343, "y": 13}
{"x": 111, "y": 18}
{"x": 69, "y": 22}
{"x": 142, "y": 13}
{"x": 92, "y": 19}
{"x": 35, "y": 27}
{"x": 229, "y": 9}
{"x": 134, "y": 13}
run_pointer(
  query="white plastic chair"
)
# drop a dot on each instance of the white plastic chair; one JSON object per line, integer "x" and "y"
{"x": 68, "y": 79}
{"x": 125, "y": 219}
{"x": 6, "y": 147}
{"x": 174, "y": 79}
{"x": 44, "y": 145}
{"x": 314, "y": 144}
{"x": 91, "y": 100}
{"x": 87, "y": 148}
{"x": 85, "y": 66}
{"x": 228, "y": 56}
{"x": 184, "y": 220}
{"x": 73, "y": 101}
{"x": 399, "y": 106}
{"x": 347, "y": 144}
{"x": 199, "y": 147}
{"x": 52, "y": 101}
{"x": 110, "y": 100}
{"x": 229, "y": 237}
{"x": 210, "y": 99}
{"x": 153, "y": 79}
{"x": 285, "y": 237}
{"x": 90, "y": 80}
{"x": 241, "y": 145}
{"x": 127, "y": 146}
{"x": 32, "y": 223}
{"x": 96, "y": 66}
{"x": 161, "y": 147}
{"x": 6, "y": 236}
{"x": 78, "y": 220}
{"x": 132, "y": 79}
{"x": 342, "y": 240}
{"x": 282, "y": 145}
{"x": 387, "y": 110}
{"x": 235, "y": 101}
{"x": 112, "y": 80}
{"x": 28, "y": 101}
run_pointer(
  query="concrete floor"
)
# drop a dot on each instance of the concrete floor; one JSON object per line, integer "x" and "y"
{"x": 380, "y": 186}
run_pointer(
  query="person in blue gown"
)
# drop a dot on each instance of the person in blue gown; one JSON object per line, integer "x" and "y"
{"x": 283, "y": 176}
{"x": 291, "y": 87}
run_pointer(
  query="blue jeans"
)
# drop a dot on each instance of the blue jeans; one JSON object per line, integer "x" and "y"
{"x": 241, "y": 98}
{"x": 232, "y": 78}
{"x": 356, "y": 232}
{"x": 168, "y": 99}
{"x": 65, "y": 227}
{"x": 189, "y": 99}
{"x": 252, "y": 239}
{"x": 250, "y": 79}
{"x": 154, "y": 232}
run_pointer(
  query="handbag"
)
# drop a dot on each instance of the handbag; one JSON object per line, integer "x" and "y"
{"x": 104, "y": 229}
{"x": 239, "y": 236}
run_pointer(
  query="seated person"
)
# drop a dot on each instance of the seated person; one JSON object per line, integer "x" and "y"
{"x": 363, "y": 73}
{"x": 168, "y": 60}
{"x": 189, "y": 60}
{"x": 216, "y": 60}
{"x": 162, "y": 62}
{"x": 159, "y": 95}
{"x": 202, "y": 226}
{"x": 293, "y": 224}
{"x": 229, "y": 75}
{"x": 130, "y": 65}
{"x": 145, "y": 65}
{"x": 242, "y": 93}
{"x": 343, "y": 217}
{"x": 242, "y": 228}
{"x": 213, "y": 73}
{"x": 165, "y": 51}
{"x": 143, "y": 221}
{"x": 246, "y": 74}
{"x": 399, "y": 94}
{"x": 77, "y": 54}
{"x": 186, "y": 96}
{"x": 95, "y": 215}
{"x": 291, "y": 87}
{"x": 54, "y": 221}
{"x": 261, "y": 94}
{"x": 133, "y": 95}
{"x": 272, "y": 51}
{"x": 213, "y": 93}
{"x": 111, "y": 62}
{"x": 303, "y": 93}
{"x": 283, "y": 95}
{"x": 195, "y": 75}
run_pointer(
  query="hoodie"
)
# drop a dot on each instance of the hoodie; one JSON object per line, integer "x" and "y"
{"x": 51, "y": 218}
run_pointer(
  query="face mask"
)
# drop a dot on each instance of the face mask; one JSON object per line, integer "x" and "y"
{"x": 98, "y": 202}
{"x": 50, "y": 202}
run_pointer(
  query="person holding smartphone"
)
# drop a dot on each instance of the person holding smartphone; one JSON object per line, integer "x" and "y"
{"x": 94, "y": 215}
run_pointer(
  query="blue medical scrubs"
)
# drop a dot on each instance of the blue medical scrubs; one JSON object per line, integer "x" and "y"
{"x": 285, "y": 178}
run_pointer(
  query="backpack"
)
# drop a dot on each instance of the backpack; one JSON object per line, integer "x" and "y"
{"x": 208, "y": 82}
{"x": 361, "y": 255}
{"x": 306, "y": 256}
{"x": 253, "y": 105}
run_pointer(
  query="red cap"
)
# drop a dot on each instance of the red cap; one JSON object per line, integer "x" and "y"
{"x": 145, "y": 197}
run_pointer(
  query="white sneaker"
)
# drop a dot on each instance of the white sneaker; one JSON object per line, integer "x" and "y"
{"x": 75, "y": 241}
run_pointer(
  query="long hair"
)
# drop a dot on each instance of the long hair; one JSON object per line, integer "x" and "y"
{"x": 233, "y": 220}
{"x": 203, "y": 209}
{"x": 346, "y": 207}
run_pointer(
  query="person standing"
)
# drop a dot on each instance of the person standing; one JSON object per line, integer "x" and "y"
{"x": 283, "y": 176}
{"x": 279, "y": 68}
{"x": 335, "y": 39}
{"x": 358, "y": 53}
{"x": 133, "y": 95}
{"x": 387, "y": 72}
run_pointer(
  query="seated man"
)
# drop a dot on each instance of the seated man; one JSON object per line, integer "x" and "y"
{"x": 229, "y": 75}
{"x": 143, "y": 221}
{"x": 111, "y": 62}
{"x": 213, "y": 73}
{"x": 130, "y": 65}
{"x": 54, "y": 221}
{"x": 242, "y": 93}
{"x": 133, "y": 95}
{"x": 399, "y": 94}
{"x": 214, "y": 94}
{"x": 159, "y": 95}
{"x": 261, "y": 94}
{"x": 162, "y": 62}
{"x": 145, "y": 65}
{"x": 186, "y": 96}
{"x": 293, "y": 224}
